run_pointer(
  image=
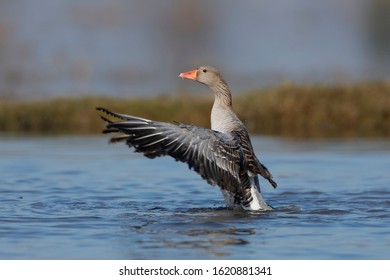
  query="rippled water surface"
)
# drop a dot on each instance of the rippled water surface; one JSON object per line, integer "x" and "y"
{"x": 80, "y": 198}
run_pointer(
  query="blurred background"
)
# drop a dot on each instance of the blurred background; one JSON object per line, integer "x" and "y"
{"x": 310, "y": 81}
{"x": 121, "y": 48}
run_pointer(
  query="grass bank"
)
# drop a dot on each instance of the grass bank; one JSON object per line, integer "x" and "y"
{"x": 361, "y": 110}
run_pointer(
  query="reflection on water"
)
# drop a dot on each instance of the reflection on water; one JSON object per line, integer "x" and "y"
{"x": 77, "y": 197}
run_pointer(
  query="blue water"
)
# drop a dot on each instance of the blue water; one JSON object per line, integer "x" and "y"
{"x": 80, "y": 198}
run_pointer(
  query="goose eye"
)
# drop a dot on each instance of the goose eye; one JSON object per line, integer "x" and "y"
{"x": 204, "y": 70}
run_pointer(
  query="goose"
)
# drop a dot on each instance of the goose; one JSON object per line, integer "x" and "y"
{"x": 222, "y": 155}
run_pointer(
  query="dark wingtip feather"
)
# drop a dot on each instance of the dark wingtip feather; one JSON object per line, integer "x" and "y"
{"x": 110, "y": 130}
{"x": 119, "y": 138}
{"x": 113, "y": 114}
{"x": 106, "y": 120}
{"x": 273, "y": 183}
{"x": 104, "y": 110}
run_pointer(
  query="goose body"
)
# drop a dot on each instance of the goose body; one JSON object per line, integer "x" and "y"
{"x": 222, "y": 155}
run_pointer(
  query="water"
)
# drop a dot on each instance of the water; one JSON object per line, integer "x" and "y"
{"x": 80, "y": 198}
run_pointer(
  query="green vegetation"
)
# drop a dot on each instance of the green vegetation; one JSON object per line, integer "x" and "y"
{"x": 361, "y": 110}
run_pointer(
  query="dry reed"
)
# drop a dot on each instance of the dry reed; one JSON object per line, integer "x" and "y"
{"x": 361, "y": 110}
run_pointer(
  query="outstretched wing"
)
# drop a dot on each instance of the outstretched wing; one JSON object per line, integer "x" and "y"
{"x": 216, "y": 156}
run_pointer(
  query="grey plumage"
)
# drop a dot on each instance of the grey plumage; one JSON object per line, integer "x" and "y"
{"x": 222, "y": 155}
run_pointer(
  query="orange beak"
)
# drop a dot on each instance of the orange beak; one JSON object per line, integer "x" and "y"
{"x": 191, "y": 75}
